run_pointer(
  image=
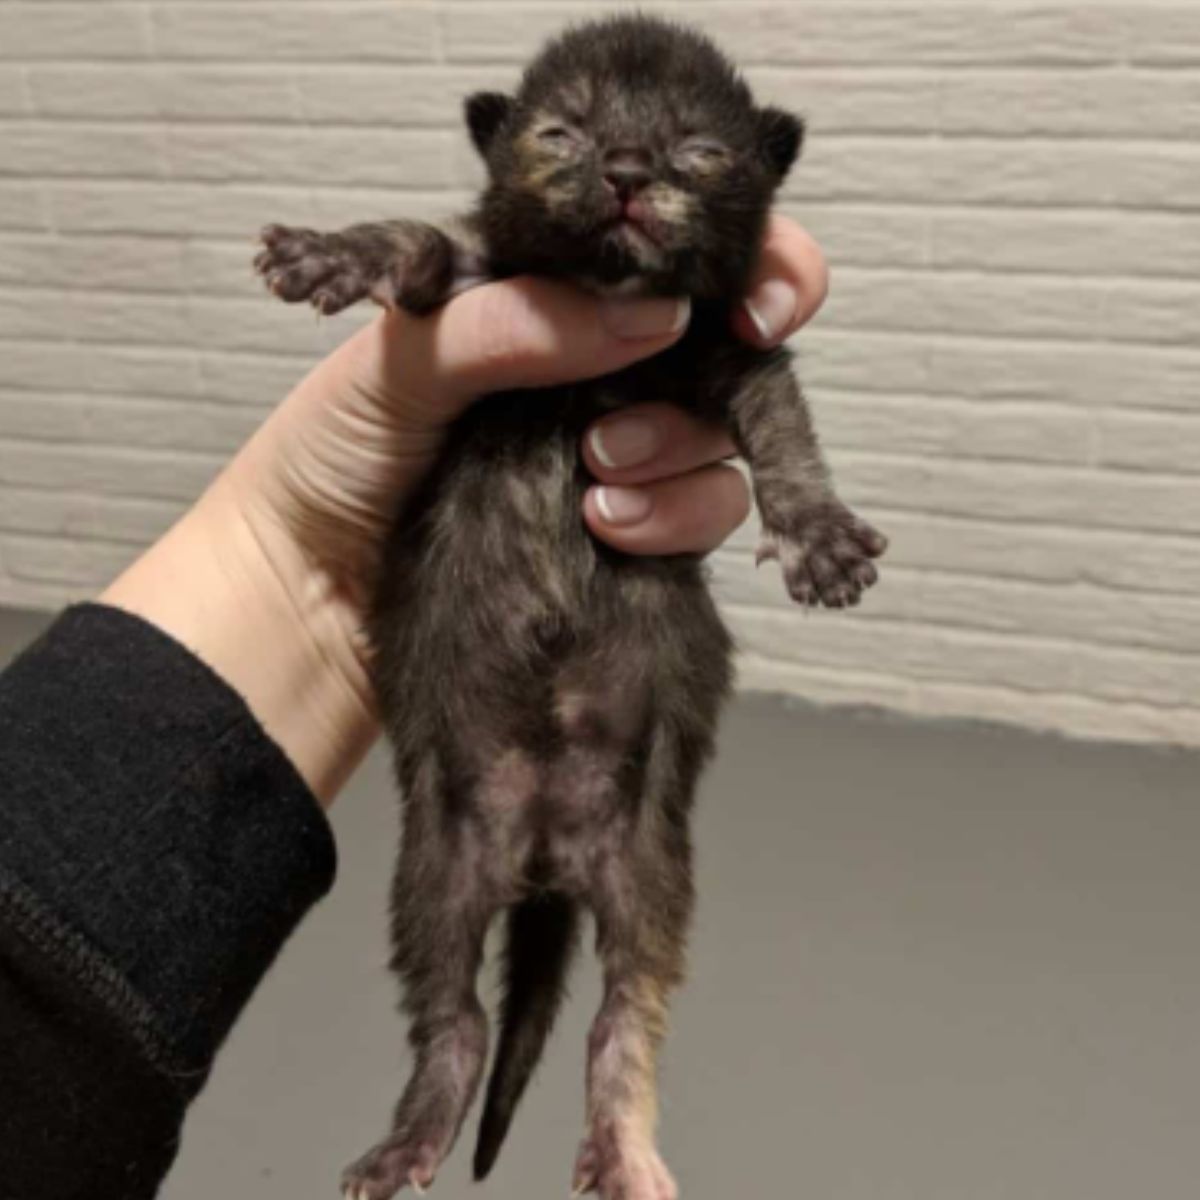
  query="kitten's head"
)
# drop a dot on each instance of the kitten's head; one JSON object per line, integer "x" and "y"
{"x": 632, "y": 155}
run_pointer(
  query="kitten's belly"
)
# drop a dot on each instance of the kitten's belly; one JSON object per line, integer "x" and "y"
{"x": 499, "y": 612}
{"x": 531, "y": 664}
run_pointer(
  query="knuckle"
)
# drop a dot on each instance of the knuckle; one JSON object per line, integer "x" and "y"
{"x": 738, "y": 489}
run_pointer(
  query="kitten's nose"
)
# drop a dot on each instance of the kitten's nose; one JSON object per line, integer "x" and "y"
{"x": 626, "y": 171}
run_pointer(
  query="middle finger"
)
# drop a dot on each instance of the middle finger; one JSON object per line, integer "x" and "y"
{"x": 652, "y": 441}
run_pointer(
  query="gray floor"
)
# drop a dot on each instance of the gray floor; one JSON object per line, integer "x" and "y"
{"x": 931, "y": 963}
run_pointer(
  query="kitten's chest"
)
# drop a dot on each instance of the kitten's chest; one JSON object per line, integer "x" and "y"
{"x": 698, "y": 373}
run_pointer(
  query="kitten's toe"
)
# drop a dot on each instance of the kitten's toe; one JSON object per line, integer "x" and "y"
{"x": 302, "y": 264}
{"x": 335, "y": 294}
{"x": 391, "y": 1166}
{"x": 621, "y": 1168}
{"x": 297, "y": 281}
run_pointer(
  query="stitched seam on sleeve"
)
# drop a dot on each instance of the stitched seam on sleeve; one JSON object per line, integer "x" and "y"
{"x": 73, "y": 953}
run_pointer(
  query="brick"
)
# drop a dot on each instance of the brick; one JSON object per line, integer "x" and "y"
{"x": 915, "y": 652}
{"x": 1058, "y": 555}
{"x": 254, "y": 379}
{"x": 867, "y": 235}
{"x": 947, "y": 428}
{"x": 129, "y": 320}
{"x": 20, "y": 205}
{"x": 181, "y": 209}
{"x": 89, "y": 564}
{"x": 107, "y": 471}
{"x": 468, "y": 169}
{"x": 978, "y": 171}
{"x": 77, "y": 515}
{"x": 960, "y": 656}
{"x": 940, "y": 302}
{"x": 400, "y": 158}
{"x": 825, "y": 34}
{"x": 134, "y": 264}
{"x": 39, "y": 597}
{"x": 349, "y": 30}
{"x": 177, "y": 93}
{"x": 103, "y": 420}
{"x": 949, "y": 600}
{"x": 425, "y": 95}
{"x": 1095, "y": 374}
{"x": 220, "y": 269}
{"x": 1169, "y": 35}
{"x": 1004, "y": 491}
{"x": 335, "y": 207}
{"x": 1146, "y": 442}
{"x": 127, "y": 370}
{"x": 125, "y": 319}
{"x": 995, "y": 305}
{"x": 12, "y": 92}
{"x": 850, "y": 100}
{"x": 263, "y": 324}
{"x": 1072, "y": 715}
{"x": 39, "y": 29}
{"x": 1114, "y": 103}
{"x": 38, "y": 148}
{"x": 1138, "y": 243}
{"x": 1127, "y": 563}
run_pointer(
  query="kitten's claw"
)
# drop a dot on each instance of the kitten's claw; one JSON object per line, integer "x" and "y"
{"x": 826, "y": 556}
{"x": 302, "y": 264}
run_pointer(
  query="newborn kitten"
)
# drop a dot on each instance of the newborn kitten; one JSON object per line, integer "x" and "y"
{"x": 551, "y": 701}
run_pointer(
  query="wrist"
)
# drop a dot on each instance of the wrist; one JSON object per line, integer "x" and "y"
{"x": 239, "y": 593}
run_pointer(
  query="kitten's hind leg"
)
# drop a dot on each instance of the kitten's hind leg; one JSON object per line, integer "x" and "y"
{"x": 399, "y": 264}
{"x": 441, "y": 917}
{"x": 642, "y": 900}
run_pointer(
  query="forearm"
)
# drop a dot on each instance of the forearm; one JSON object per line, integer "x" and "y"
{"x": 242, "y": 598}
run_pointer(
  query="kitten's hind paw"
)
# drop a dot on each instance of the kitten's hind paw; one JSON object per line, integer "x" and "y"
{"x": 392, "y": 1165}
{"x": 621, "y": 1168}
{"x": 302, "y": 264}
{"x": 826, "y": 558}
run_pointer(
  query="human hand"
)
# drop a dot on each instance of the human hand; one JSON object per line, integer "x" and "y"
{"x": 341, "y": 456}
{"x": 267, "y": 577}
{"x": 664, "y": 485}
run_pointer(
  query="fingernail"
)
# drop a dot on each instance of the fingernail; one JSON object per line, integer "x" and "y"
{"x": 771, "y": 306}
{"x": 653, "y": 317}
{"x": 622, "y": 506}
{"x": 625, "y": 441}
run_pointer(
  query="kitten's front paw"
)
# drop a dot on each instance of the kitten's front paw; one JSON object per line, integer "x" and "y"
{"x": 302, "y": 264}
{"x": 826, "y": 555}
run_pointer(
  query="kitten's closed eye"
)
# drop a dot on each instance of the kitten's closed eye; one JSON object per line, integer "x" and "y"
{"x": 558, "y": 137}
{"x": 701, "y": 155}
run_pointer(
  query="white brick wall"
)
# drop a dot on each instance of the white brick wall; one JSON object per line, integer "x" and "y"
{"x": 1007, "y": 374}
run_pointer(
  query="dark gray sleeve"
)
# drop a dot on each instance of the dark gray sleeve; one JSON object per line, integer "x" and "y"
{"x": 156, "y": 850}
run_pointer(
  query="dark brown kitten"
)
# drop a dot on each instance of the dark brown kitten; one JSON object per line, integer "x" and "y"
{"x": 550, "y": 701}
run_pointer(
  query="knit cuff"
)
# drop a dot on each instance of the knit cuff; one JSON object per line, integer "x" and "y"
{"x": 143, "y": 805}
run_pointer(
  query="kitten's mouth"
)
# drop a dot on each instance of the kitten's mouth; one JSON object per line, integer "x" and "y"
{"x": 636, "y": 221}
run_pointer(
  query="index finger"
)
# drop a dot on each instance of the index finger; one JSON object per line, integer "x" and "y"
{"x": 789, "y": 284}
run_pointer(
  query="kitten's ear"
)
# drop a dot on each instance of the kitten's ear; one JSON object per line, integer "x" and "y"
{"x": 485, "y": 114}
{"x": 780, "y": 136}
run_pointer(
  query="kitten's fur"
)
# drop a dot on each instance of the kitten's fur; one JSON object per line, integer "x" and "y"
{"x": 551, "y": 701}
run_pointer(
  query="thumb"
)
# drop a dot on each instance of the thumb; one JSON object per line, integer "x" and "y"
{"x": 529, "y": 332}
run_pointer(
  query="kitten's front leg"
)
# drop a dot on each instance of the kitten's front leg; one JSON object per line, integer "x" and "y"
{"x": 399, "y": 264}
{"x": 824, "y": 549}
